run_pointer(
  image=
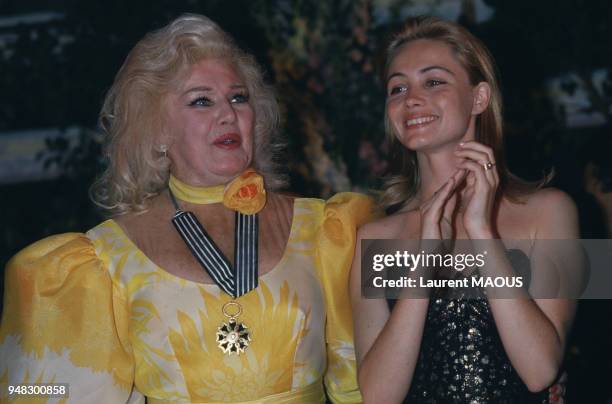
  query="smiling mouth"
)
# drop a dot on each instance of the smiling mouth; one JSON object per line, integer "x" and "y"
{"x": 423, "y": 120}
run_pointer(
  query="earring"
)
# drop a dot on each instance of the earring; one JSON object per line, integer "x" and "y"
{"x": 163, "y": 149}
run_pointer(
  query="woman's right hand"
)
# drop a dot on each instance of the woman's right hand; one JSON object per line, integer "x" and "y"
{"x": 437, "y": 212}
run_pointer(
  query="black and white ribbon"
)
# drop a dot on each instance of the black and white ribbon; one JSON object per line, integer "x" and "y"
{"x": 234, "y": 281}
{"x": 245, "y": 252}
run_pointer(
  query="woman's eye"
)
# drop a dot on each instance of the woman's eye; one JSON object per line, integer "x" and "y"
{"x": 201, "y": 102}
{"x": 240, "y": 99}
{"x": 433, "y": 83}
{"x": 397, "y": 90}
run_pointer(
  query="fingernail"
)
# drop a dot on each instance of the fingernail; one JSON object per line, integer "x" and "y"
{"x": 461, "y": 144}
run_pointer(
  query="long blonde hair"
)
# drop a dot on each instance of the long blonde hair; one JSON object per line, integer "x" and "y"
{"x": 404, "y": 179}
{"x": 132, "y": 120}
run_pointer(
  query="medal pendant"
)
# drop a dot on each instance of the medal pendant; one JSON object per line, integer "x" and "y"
{"x": 233, "y": 336}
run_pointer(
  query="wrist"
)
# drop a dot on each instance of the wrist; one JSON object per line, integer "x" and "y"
{"x": 429, "y": 235}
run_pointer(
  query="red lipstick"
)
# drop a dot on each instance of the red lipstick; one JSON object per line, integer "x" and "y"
{"x": 228, "y": 141}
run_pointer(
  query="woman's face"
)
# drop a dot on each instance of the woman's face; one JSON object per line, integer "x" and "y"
{"x": 210, "y": 121}
{"x": 430, "y": 101}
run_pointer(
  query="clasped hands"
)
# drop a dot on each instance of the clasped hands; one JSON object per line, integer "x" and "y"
{"x": 474, "y": 186}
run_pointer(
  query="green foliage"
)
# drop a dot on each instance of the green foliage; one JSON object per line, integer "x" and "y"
{"x": 323, "y": 63}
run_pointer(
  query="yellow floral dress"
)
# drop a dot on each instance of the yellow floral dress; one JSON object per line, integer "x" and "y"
{"x": 93, "y": 311}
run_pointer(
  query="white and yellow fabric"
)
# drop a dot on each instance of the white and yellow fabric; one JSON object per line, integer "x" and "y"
{"x": 93, "y": 311}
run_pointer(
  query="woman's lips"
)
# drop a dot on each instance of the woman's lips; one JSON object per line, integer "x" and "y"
{"x": 419, "y": 121}
{"x": 228, "y": 141}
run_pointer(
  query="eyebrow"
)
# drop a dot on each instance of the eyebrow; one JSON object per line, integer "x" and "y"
{"x": 423, "y": 70}
{"x": 207, "y": 89}
{"x": 428, "y": 68}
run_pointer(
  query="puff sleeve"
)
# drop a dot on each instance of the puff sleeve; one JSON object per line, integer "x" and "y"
{"x": 343, "y": 214}
{"x": 65, "y": 322}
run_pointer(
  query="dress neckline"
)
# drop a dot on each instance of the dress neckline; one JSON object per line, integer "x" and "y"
{"x": 169, "y": 275}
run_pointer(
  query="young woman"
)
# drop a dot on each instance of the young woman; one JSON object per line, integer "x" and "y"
{"x": 443, "y": 113}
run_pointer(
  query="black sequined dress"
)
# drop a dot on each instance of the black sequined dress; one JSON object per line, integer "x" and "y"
{"x": 462, "y": 359}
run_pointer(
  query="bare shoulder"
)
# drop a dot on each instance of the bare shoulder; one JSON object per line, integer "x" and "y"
{"x": 551, "y": 203}
{"x": 388, "y": 227}
{"x": 551, "y": 212}
{"x": 550, "y": 198}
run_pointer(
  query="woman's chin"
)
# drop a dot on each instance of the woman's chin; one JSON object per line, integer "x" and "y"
{"x": 430, "y": 143}
{"x": 230, "y": 171}
{"x": 417, "y": 143}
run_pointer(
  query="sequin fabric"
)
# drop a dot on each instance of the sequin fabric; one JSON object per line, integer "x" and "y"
{"x": 462, "y": 359}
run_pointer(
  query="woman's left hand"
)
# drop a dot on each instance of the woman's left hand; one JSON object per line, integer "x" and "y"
{"x": 481, "y": 187}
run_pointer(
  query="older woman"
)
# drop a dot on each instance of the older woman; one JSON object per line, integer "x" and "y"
{"x": 203, "y": 287}
{"x": 443, "y": 112}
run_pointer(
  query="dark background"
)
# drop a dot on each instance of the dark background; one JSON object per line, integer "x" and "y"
{"x": 322, "y": 58}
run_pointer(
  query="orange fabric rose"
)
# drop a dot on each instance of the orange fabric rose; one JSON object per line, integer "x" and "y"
{"x": 246, "y": 193}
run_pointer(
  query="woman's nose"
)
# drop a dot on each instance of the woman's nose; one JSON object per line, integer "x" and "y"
{"x": 226, "y": 113}
{"x": 413, "y": 98}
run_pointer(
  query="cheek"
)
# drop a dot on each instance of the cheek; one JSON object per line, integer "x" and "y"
{"x": 191, "y": 135}
{"x": 247, "y": 123}
{"x": 189, "y": 127}
{"x": 394, "y": 115}
{"x": 466, "y": 99}
{"x": 459, "y": 106}
{"x": 468, "y": 103}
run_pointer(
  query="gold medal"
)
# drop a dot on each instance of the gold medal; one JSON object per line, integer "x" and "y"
{"x": 233, "y": 336}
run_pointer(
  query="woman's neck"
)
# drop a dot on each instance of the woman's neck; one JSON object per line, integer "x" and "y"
{"x": 202, "y": 195}
{"x": 435, "y": 169}
{"x": 439, "y": 165}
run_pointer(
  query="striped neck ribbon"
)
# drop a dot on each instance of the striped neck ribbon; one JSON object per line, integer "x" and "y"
{"x": 236, "y": 281}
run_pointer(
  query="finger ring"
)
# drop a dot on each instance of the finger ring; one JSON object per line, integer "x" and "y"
{"x": 488, "y": 165}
